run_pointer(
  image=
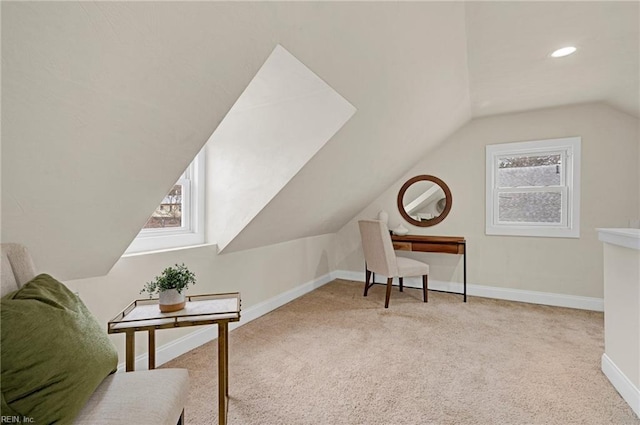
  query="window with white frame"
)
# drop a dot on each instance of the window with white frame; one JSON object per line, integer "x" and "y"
{"x": 179, "y": 219}
{"x": 533, "y": 188}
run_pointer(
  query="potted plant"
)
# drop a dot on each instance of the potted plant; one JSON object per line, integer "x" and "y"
{"x": 170, "y": 287}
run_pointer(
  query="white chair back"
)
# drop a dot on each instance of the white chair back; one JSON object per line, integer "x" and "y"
{"x": 378, "y": 248}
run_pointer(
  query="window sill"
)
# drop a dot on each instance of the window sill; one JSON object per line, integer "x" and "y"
{"x": 159, "y": 251}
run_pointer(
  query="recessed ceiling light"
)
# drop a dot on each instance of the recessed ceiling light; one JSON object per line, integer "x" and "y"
{"x": 565, "y": 51}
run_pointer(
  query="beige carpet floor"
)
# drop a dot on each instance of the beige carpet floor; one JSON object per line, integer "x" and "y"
{"x": 336, "y": 357}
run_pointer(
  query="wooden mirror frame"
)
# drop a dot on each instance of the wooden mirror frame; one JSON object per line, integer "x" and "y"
{"x": 433, "y": 221}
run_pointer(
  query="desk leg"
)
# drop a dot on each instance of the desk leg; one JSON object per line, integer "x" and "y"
{"x": 223, "y": 371}
{"x": 464, "y": 268}
{"x": 130, "y": 350}
{"x": 152, "y": 349}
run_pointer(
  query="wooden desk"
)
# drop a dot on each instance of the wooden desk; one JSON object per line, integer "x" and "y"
{"x": 443, "y": 244}
{"x": 144, "y": 315}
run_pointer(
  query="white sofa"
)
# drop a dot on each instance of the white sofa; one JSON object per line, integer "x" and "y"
{"x": 155, "y": 397}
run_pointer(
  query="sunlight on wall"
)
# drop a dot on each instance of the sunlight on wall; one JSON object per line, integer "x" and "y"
{"x": 282, "y": 119}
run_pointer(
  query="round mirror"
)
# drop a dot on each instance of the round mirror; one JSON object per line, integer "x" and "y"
{"x": 424, "y": 200}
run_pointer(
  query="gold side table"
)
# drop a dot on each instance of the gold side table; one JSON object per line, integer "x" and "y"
{"x": 209, "y": 309}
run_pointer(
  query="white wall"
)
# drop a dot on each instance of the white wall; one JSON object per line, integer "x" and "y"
{"x": 609, "y": 188}
{"x": 258, "y": 274}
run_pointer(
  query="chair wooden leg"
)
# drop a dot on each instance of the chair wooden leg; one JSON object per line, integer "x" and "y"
{"x": 401, "y": 287}
{"x": 386, "y": 301}
{"x": 425, "y": 288}
{"x": 367, "y": 276}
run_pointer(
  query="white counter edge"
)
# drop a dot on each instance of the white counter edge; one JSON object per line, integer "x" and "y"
{"x": 626, "y": 237}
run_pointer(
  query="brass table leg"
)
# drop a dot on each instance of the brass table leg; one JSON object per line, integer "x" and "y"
{"x": 226, "y": 362}
{"x": 223, "y": 371}
{"x": 152, "y": 348}
{"x": 130, "y": 350}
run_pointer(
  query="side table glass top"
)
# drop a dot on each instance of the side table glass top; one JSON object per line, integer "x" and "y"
{"x": 199, "y": 310}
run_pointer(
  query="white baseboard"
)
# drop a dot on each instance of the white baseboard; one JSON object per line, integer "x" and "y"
{"x": 629, "y": 392}
{"x": 533, "y": 297}
{"x": 205, "y": 334}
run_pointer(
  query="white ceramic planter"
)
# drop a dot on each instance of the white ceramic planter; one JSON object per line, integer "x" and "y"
{"x": 171, "y": 300}
{"x": 400, "y": 230}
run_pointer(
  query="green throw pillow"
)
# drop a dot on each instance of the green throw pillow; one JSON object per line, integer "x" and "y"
{"x": 54, "y": 352}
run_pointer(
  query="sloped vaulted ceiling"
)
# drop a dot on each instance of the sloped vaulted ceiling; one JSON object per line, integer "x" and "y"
{"x": 403, "y": 66}
{"x": 509, "y": 45}
{"x": 104, "y": 104}
{"x": 424, "y": 92}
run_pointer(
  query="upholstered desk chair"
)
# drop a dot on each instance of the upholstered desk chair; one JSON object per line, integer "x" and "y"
{"x": 381, "y": 258}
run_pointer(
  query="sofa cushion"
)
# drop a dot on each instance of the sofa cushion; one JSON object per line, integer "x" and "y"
{"x": 148, "y": 397}
{"x": 54, "y": 352}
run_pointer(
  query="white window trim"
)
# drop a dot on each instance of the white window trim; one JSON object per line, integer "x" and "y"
{"x": 192, "y": 231}
{"x": 570, "y": 188}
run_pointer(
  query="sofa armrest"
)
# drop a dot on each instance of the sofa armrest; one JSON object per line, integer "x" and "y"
{"x": 17, "y": 267}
